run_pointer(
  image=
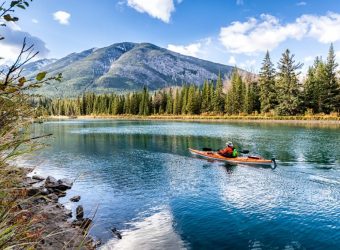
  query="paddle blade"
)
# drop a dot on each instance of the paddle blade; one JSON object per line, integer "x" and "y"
{"x": 207, "y": 149}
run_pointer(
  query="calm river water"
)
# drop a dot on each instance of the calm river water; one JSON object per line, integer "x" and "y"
{"x": 139, "y": 177}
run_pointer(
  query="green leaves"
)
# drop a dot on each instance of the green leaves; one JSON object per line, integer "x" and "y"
{"x": 9, "y": 18}
{"x": 22, "y": 81}
{"x": 41, "y": 76}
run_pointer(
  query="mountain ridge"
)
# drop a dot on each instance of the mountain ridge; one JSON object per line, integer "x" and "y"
{"x": 123, "y": 67}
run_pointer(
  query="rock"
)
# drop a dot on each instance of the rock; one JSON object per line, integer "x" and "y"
{"x": 33, "y": 191}
{"x": 40, "y": 200}
{"x": 68, "y": 212}
{"x": 53, "y": 197}
{"x": 64, "y": 184}
{"x": 44, "y": 191}
{"x": 51, "y": 182}
{"x": 75, "y": 198}
{"x": 116, "y": 233}
{"x": 59, "y": 193}
{"x": 30, "y": 181}
{"x": 38, "y": 177}
{"x": 80, "y": 212}
{"x": 77, "y": 223}
{"x": 86, "y": 223}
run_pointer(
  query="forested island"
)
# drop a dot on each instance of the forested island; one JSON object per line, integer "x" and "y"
{"x": 274, "y": 92}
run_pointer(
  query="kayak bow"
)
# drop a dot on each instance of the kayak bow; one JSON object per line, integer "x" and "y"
{"x": 249, "y": 160}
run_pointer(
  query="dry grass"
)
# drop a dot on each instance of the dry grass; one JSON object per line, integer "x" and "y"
{"x": 16, "y": 224}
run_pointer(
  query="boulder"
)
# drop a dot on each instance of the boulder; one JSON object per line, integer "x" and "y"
{"x": 75, "y": 198}
{"x": 51, "y": 182}
{"x": 79, "y": 212}
{"x": 38, "y": 177}
{"x": 64, "y": 184}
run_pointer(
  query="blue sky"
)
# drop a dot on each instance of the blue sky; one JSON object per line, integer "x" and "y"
{"x": 236, "y": 32}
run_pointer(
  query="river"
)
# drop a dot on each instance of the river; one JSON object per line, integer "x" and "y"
{"x": 139, "y": 177}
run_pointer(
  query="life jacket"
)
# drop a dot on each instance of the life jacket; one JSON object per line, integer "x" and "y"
{"x": 228, "y": 152}
{"x": 235, "y": 153}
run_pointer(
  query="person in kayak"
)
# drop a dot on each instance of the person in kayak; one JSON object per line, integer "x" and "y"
{"x": 228, "y": 151}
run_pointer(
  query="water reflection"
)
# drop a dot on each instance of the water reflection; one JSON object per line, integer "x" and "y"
{"x": 151, "y": 232}
{"x": 147, "y": 184}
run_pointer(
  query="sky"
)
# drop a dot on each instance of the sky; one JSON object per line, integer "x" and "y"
{"x": 233, "y": 32}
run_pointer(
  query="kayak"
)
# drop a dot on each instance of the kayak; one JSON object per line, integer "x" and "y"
{"x": 249, "y": 160}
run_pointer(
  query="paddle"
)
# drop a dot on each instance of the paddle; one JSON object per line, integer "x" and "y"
{"x": 242, "y": 151}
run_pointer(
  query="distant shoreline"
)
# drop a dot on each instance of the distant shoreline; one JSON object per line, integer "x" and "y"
{"x": 333, "y": 120}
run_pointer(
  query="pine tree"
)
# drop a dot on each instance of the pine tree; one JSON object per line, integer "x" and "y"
{"x": 205, "y": 97}
{"x": 177, "y": 103}
{"x": 331, "y": 95}
{"x": 191, "y": 107}
{"x": 287, "y": 85}
{"x": 184, "y": 97}
{"x": 169, "y": 102}
{"x": 218, "y": 97}
{"x": 267, "y": 85}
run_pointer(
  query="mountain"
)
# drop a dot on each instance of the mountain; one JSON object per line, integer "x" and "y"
{"x": 125, "y": 67}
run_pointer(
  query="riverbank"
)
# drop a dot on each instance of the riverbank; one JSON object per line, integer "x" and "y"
{"x": 32, "y": 217}
{"x": 316, "y": 119}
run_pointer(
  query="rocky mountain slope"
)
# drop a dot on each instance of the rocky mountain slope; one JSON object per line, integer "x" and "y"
{"x": 125, "y": 67}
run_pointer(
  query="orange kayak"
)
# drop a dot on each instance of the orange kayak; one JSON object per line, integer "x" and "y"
{"x": 249, "y": 160}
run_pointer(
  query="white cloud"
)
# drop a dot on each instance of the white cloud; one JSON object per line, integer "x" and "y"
{"x": 267, "y": 32}
{"x": 35, "y": 21}
{"x": 232, "y": 60}
{"x": 11, "y": 45}
{"x": 326, "y": 29}
{"x": 196, "y": 49}
{"x": 189, "y": 50}
{"x": 301, "y": 3}
{"x": 160, "y": 9}
{"x": 62, "y": 17}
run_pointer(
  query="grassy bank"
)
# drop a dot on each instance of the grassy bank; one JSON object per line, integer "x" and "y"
{"x": 331, "y": 119}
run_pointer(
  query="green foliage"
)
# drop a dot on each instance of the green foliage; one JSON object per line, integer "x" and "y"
{"x": 287, "y": 87}
{"x": 269, "y": 93}
{"x": 267, "y": 97}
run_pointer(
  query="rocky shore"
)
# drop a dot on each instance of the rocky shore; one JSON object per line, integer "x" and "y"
{"x": 53, "y": 220}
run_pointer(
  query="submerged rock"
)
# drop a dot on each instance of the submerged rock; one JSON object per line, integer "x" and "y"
{"x": 75, "y": 198}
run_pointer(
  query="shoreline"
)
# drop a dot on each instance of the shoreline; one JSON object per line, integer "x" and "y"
{"x": 327, "y": 120}
{"x": 47, "y": 221}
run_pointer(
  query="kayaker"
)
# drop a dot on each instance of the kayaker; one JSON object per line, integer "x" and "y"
{"x": 228, "y": 151}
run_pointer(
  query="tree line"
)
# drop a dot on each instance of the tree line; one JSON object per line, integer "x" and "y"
{"x": 275, "y": 90}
